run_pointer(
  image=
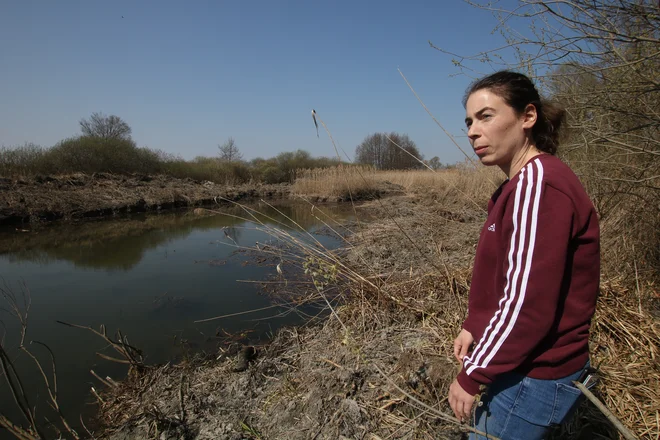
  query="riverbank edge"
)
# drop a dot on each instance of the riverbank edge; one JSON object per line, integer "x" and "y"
{"x": 80, "y": 197}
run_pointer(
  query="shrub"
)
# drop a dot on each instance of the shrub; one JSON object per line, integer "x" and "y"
{"x": 23, "y": 160}
{"x": 89, "y": 154}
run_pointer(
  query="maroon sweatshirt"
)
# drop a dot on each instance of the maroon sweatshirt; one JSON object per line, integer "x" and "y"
{"x": 536, "y": 278}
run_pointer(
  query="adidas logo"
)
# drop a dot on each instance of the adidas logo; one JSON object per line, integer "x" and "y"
{"x": 492, "y": 227}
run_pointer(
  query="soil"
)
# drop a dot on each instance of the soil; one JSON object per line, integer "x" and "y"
{"x": 82, "y": 196}
{"x": 363, "y": 372}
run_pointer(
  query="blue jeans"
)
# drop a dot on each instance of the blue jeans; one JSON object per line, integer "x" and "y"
{"x": 519, "y": 407}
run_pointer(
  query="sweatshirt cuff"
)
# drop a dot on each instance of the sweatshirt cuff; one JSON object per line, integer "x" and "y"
{"x": 468, "y": 384}
{"x": 467, "y": 325}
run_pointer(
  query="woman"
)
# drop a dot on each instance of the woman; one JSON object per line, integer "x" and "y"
{"x": 536, "y": 270}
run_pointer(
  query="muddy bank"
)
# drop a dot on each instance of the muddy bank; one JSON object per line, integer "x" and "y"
{"x": 81, "y": 196}
{"x": 354, "y": 375}
{"x": 305, "y": 384}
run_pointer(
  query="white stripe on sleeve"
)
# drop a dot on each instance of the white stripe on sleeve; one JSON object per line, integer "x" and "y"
{"x": 518, "y": 245}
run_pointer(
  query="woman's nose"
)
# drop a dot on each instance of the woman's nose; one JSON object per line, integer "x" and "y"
{"x": 473, "y": 132}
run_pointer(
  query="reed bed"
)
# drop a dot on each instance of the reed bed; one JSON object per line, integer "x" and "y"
{"x": 340, "y": 182}
{"x": 448, "y": 185}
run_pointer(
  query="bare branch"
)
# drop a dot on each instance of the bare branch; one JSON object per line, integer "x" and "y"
{"x": 105, "y": 127}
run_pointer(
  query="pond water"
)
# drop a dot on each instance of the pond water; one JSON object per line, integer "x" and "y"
{"x": 151, "y": 276}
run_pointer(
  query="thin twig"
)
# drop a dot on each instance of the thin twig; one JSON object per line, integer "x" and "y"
{"x": 435, "y": 120}
{"x": 611, "y": 417}
{"x": 435, "y": 411}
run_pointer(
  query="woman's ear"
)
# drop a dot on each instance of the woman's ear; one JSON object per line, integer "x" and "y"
{"x": 529, "y": 116}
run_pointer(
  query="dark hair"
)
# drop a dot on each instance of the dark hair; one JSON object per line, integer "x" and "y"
{"x": 518, "y": 91}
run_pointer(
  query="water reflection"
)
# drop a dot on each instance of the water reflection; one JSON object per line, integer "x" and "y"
{"x": 151, "y": 276}
{"x": 121, "y": 244}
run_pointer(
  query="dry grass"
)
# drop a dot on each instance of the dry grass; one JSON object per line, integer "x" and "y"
{"x": 625, "y": 344}
{"x": 625, "y": 336}
{"x": 336, "y": 182}
{"x": 463, "y": 185}
{"x": 448, "y": 186}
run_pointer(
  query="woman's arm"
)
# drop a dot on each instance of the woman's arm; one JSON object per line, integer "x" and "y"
{"x": 538, "y": 227}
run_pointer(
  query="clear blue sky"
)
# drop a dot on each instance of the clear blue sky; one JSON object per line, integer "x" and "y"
{"x": 188, "y": 75}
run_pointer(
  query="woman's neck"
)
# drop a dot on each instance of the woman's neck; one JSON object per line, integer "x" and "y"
{"x": 519, "y": 160}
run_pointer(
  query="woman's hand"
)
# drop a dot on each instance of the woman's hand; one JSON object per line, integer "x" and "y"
{"x": 462, "y": 344}
{"x": 460, "y": 401}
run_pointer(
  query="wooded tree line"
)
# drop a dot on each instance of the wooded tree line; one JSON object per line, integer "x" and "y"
{"x": 106, "y": 146}
{"x": 383, "y": 151}
{"x": 391, "y": 151}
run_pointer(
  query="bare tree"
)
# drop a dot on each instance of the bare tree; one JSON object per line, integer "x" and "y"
{"x": 435, "y": 163}
{"x": 386, "y": 152}
{"x": 229, "y": 151}
{"x": 105, "y": 127}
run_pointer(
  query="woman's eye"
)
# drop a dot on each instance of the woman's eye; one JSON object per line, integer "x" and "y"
{"x": 486, "y": 116}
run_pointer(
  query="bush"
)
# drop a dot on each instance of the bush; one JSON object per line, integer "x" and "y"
{"x": 272, "y": 174}
{"x": 208, "y": 168}
{"x": 23, "y": 160}
{"x": 93, "y": 154}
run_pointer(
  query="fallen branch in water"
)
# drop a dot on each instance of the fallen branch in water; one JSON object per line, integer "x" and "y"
{"x": 13, "y": 379}
{"x": 132, "y": 355}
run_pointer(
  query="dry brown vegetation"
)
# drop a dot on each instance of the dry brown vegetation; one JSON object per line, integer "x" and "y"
{"x": 380, "y": 366}
{"x": 625, "y": 335}
{"x": 336, "y": 182}
{"x": 459, "y": 185}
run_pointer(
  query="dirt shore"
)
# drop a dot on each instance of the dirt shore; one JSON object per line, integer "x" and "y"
{"x": 377, "y": 366}
{"x": 81, "y": 196}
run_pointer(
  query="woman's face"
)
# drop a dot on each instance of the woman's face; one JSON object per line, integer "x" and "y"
{"x": 497, "y": 134}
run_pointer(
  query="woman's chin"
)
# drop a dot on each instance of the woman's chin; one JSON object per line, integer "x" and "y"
{"x": 487, "y": 160}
